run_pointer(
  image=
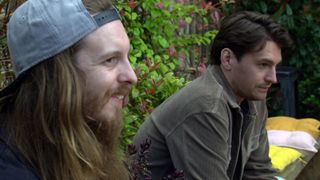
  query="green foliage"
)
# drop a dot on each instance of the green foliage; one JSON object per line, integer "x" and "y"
{"x": 160, "y": 39}
{"x": 307, "y": 59}
{"x": 301, "y": 18}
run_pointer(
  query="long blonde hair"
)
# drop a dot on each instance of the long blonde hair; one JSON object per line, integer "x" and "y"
{"x": 45, "y": 120}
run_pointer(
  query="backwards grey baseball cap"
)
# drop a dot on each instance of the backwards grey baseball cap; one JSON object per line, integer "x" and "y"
{"x": 40, "y": 29}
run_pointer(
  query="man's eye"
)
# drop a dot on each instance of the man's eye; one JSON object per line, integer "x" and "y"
{"x": 263, "y": 65}
{"x": 111, "y": 62}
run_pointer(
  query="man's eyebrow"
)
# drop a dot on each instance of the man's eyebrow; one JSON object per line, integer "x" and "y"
{"x": 109, "y": 53}
{"x": 267, "y": 60}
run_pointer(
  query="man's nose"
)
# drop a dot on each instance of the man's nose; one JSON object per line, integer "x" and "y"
{"x": 272, "y": 75}
{"x": 127, "y": 74}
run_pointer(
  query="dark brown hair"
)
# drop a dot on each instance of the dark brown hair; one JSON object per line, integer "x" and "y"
{"x": 247, "y": 31}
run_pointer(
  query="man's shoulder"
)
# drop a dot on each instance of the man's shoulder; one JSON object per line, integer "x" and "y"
{"x": 199, "y": 96}
{"x": 11, "y": 168}
{"x": 202, "y": 88}
{"x": 202, "y": 95}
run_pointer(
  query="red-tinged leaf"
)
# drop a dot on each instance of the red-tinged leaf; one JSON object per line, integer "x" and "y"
{"x": 159, "y": 82}
{"x": 122, "y": 13}
{"x": 182, "y": 23}
{"x": 155, "y": 66}
{"x": 147, "y": 62}
{"x": 217, "y": 16}
{"x": 172, "y": 50}
{"x": 133, "y": 4}
{"x": 153, "y": 82}
{"x": 145, "y": 75}
{"x": 137, "y": 71}
{"x": 152, "y": 91}
{"x": 146, "y": 91}
{"x": 160, "y": 5}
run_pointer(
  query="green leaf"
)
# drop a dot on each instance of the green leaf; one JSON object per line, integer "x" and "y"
{"x": 135, "y": 92}
{"x": 288, "y": 10}
{"x": 165, "y": 56}
{"x": 172, "y": 66}
{"x": 134, "y": 16}
{"x": 188, "y": 20}
{"x": 136, "y": 32}
{"x": 290, "y": 22}
{"x": 155, "y": 13}
{"x": 133, "y": 59}
{"x": 163, "y": 68}
{"x": 277, "y": 14}
{"x": 263, "y": 6}
{"x": 163, "y": 42}
{"x": 157, "y": 58}
{"x": 138, "y": 54}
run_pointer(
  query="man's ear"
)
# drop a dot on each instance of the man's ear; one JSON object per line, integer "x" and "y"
{"x": 226, "y": 58}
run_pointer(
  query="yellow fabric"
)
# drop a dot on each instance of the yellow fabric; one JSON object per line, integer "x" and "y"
{"x": 281, "y": 157}
{"x": 308, "y": 125}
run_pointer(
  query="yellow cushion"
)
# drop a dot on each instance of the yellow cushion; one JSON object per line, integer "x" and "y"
{"x": 281, "y": 157}
{"x": 308, "y": 125}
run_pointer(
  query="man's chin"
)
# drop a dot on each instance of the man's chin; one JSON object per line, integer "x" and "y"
{"x": 108, "y": 127}
{"x": 259, "y": 97}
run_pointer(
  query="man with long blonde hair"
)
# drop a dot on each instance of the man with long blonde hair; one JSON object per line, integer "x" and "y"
{"x": 60, "y": 119}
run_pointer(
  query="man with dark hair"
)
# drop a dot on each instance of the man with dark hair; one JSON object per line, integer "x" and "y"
{"x": 214, "y": 128}
{"x": 61, "y": 118}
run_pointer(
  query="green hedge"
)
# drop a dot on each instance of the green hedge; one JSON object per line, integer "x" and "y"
{"x": 163, "y": 37}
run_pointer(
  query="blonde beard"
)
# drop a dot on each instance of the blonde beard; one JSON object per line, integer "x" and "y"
{"x": 107, "y": 133}
{"x": 107, "y": 129}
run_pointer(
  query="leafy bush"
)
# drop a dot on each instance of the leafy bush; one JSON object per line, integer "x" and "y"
{"x": 162, "y": 40}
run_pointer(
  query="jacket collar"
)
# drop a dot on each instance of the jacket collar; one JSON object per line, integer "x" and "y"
{"x": 216, "y": 72}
